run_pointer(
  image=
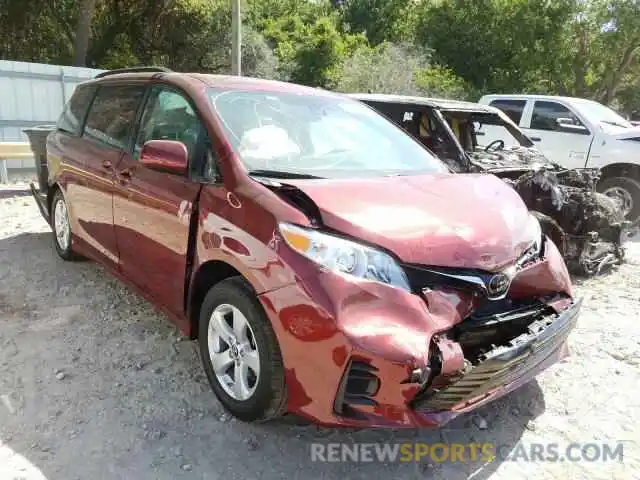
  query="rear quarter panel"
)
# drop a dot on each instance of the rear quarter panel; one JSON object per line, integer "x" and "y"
{"x": 65, "y": 166}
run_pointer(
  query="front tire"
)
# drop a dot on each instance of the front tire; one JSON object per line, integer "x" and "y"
{"x": 240, "y": 352}
{"x": 625, "y": 192}
{"x": 61, "y": 227}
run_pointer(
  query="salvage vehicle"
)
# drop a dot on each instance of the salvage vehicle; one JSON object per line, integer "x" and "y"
{"x": 587, "y": 226}
{"x": 576, "y": 132}
{"x": 327, "y": 264}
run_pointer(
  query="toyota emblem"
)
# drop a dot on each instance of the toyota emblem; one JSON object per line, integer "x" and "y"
{"x": 498, "y": 284}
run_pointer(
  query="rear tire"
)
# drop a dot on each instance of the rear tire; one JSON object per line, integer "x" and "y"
{"x": 235, "y": 333}
{"x": 62, "y": 228}
{"x": 625, "y": 192}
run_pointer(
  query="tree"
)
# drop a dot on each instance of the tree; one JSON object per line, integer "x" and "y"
{"x": 617, "y": 44}
{"x": 311, "y": 52}
{"x": 398, "y": 69}
{"x": 496, "y": 45}
{"x": 83, "y": 32}
{"x": 380, "y": 20}
{"x": 442, "y": 82}
{"x": 387, "y": 68}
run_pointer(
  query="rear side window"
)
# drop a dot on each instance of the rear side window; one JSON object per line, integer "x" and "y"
{"x": 75, "y": 110}
{"x": 546, "y": 114}
{"x": 513, "y": 108}
{"x": 113, "y": 114}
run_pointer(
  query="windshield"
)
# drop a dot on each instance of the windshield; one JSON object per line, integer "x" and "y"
{"x": 598, "y": 113}
{"x": 286, "y": 135}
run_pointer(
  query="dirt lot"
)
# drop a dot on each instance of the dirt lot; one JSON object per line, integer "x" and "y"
{"x": 95, "y": 384}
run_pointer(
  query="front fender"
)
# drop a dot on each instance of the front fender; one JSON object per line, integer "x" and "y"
{"x": 608, "y": 151}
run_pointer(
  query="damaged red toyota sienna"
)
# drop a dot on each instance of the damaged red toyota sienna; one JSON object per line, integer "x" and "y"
{"x": 327, "y": 264}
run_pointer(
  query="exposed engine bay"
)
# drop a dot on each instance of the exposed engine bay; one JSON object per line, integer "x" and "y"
{"x": 587, "y": 226}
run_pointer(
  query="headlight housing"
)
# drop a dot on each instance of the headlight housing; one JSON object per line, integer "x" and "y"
{"x": 536, "y": 232}
{"x": 344, "y": 256}
{"x": 536, "y": 248}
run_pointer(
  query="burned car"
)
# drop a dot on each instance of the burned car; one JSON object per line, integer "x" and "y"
{"x": 588, "y": 227}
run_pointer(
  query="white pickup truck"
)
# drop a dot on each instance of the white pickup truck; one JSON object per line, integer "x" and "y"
{"x": 576, "y": 133}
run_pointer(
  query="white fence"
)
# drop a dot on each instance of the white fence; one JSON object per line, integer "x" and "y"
{"x": 34, "y": 94}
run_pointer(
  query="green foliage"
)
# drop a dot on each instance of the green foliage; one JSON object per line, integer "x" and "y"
{"x": 387, "y": 68}
{"x": 494, "y": 44}
{"x": 309, "y": 52}
{"x": 380, "y": 20}
{"x": 439, "y": 81}
{"x": 451, "y": 48}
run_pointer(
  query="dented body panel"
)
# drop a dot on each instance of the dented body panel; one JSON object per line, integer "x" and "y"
{"x": 587, "y": 226}
{"x": 480, "y": 275}
{"x": 324, "y": 320}
{"x": 418, "y": 221}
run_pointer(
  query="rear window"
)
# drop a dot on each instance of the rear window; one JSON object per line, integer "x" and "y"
{"x": 113, "y": 113}
{"x": 513, "y": 108}
{"x": 75, "y": 110}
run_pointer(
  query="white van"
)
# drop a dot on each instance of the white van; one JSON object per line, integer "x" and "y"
{"x": 575, "y": 133}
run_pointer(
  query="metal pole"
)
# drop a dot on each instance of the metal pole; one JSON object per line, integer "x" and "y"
{"x": 236, "y": 38}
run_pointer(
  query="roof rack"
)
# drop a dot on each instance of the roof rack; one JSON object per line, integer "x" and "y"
{"x": 133, "y": 70}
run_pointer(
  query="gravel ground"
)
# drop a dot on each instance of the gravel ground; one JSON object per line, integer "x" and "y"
{"x": 95, "y": 384}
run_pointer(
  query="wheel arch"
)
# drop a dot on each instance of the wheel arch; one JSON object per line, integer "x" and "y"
{"x": 51, "y": 192}
{"x": 208, "y": 275}
{"x": 621, "y": 170}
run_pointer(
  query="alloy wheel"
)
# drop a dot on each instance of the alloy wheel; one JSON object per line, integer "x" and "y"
{"x": 61, "y": 224}
{"x": 233, "y": 352}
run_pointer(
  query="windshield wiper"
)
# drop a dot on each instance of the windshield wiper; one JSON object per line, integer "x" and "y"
{"x": 615, "y": 124}
{"x": 282, "y": 174}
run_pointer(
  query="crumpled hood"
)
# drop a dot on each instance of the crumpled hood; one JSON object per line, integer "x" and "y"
{"x": 465, "y": 221}
{"x": 516, "y": 157}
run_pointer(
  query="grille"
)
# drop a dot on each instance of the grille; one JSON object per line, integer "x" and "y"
{"x": 474, "y": 280}
{"x": 495, "y": 320}
{"x": 502, "y": 365}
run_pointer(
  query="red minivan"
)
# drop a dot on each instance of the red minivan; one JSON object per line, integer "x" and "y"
{"x": 327, "y": 264}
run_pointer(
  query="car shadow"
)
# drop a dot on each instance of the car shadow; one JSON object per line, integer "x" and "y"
{"x": 95, "y": 383}
{"x": 500, "y": 424}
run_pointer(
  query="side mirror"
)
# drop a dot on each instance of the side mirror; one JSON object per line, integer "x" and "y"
{"x": 165, "y": 155}
{"x": 564, "y": 121}
{"x": 568, "y": 125}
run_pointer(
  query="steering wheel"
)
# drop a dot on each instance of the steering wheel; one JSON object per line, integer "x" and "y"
{"x": 495, "y": 145}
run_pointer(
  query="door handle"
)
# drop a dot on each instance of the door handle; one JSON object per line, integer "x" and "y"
{"x": 535, "y": 139}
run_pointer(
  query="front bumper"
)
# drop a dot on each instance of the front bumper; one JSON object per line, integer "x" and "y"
{"x": 505, "y": 366}
{"x": 351, "y": 348}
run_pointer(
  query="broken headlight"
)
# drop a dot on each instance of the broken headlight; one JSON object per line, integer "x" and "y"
{"x": 535, "y": 249}
{"x": 345, "y": 256}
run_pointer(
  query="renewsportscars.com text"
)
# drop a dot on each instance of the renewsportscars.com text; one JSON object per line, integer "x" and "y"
{"x": 467, "y": 452}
